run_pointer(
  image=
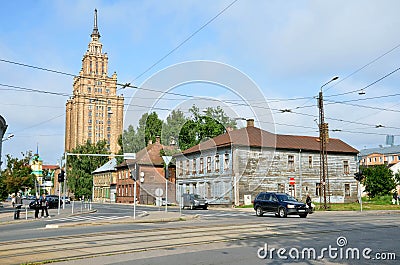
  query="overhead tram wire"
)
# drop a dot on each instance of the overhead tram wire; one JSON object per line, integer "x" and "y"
{"x": 359, "y": 69}
{"x": 183, "y": 95}
{"x": 371, "y": 84}
{"x": 186, "y": 40}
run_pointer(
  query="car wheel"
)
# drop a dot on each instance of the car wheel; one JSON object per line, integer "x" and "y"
{"x": 282, "y": 212}
{"x": 303, "y": 215}
{"x": 259, "y": 211}
{"x": 205, "y": 208}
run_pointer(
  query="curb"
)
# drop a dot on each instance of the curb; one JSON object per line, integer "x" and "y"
{"x": 150, "y": 220}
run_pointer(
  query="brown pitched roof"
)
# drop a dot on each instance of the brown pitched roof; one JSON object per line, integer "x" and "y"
{"x": 150, "y": 155}
{"x": 255, "y": 137}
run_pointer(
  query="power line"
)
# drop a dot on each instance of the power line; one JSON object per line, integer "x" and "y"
{"x": 185, "y": 40}
{"x": 361, "y": 68}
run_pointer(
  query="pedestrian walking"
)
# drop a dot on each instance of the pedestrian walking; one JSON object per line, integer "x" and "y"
{"x": 37, "y": 206}
{"x": 17, "y": 205}
{"x": 44, "y": 205}
{"x": 309, "y": 203}
{"x": 395, "y": 199}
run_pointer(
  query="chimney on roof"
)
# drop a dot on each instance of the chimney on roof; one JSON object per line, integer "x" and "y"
{"x": 157, "y": 139}
{"x": 150, "y": 142}
{"x": 250, "y": 123}
{"x": 229, "y": 129}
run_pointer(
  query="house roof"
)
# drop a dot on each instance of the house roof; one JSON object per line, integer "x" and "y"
{"x": 150, "y": 155}
{"x": 50, "y": 167}
{"x": 109, "y": 166}
{"x": 255, "y": 137}
{"x": 395, "y": 149}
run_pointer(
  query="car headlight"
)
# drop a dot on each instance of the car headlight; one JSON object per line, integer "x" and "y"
{"x": 290, "y": 206}
{"x": 196, "y": 202}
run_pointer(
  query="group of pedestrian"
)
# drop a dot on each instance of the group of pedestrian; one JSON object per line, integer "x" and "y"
{"x": 40, "y": 203}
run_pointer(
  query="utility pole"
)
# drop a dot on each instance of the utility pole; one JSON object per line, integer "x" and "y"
{"x": 323, "y": 141}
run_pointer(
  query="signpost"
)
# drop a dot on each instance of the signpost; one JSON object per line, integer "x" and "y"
{"x": 167, "y": 160}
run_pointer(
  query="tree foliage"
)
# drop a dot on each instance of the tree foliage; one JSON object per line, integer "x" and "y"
{"x": 149, "y": 127}
{"x": 80, "y": 168}
{"x": 17, "y": 175}
{"x": 378, "y": 180}
{"x": 203, "y": 127}
{"x": 172, "y": 127}
{"x": 185, "y": 131}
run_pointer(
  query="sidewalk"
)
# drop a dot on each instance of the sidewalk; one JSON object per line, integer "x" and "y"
{"x": 7, "y": 217}
{"x": 26, "y": 214}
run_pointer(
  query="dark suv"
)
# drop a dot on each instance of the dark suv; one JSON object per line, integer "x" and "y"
{"x": 281, "y": 204}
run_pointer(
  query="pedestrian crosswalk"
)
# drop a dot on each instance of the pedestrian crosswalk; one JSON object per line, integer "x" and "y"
{"x": 82, "y": 218}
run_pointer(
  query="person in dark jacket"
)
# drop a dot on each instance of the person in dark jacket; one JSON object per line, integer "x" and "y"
{"x": 44, "y": 204}
{"x": 17, "y": 205}
{"x": 37, "y": 206}
{"x": 309, "y": 202}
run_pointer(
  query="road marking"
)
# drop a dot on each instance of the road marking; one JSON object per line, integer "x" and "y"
{"x": 86, "y": 218}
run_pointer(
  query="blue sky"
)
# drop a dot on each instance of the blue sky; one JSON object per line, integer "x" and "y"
{"x": 288, "y": 48}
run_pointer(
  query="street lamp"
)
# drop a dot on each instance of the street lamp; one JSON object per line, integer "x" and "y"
{"x": 323, "y": 140}
{"x": 7, "y": 138}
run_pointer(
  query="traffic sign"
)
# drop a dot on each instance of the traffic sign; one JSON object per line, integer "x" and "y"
{"x": 292, "y": 181}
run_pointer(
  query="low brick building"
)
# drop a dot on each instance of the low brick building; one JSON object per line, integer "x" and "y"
{"x": 150, "y": 176}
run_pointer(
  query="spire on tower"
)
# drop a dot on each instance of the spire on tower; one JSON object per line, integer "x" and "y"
{"x": 95, "y": 32}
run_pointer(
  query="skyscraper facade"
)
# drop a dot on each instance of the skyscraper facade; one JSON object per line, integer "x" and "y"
{"x": 95, "y": 111}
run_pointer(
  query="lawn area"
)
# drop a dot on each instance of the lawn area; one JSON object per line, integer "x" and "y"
{"x": 377, "y": 203}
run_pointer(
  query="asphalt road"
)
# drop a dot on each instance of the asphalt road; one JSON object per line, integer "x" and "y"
{"x": 215, "y": 237}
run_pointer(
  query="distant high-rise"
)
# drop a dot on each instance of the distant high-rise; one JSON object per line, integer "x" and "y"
{"x": 94, "y": 112}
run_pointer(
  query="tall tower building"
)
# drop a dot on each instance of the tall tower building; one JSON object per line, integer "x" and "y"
{"x": 94, "y": 112}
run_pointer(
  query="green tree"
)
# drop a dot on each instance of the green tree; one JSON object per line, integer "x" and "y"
{"x": 203, "y": 127}
{"x": 17, "y": 175}
{"x": 378, "y": 180}
{"x": 172, "y": 127}
{"x": 80, "y": 168}
{"x": 149, "y": 127}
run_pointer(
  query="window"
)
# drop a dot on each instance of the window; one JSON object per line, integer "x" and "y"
{"x": 309, "y": 161}
{"x": 90, "y": 121}
{"x": 187, "y": 167}
{"x": 346, "y": 168}
{"x": 290, "y": 162}
{"x": 347, "y": 190}
{"x": 216, "y": 164}
{"x": 226, "y": 162}
{"x": 180, "y": 168}
{"x": 209, "y": 164}
{"x": 90, "y": 113}
{"x": 201, "y": 170}
{"x": 89, "y": 90}
{"x": 194, "y": 166}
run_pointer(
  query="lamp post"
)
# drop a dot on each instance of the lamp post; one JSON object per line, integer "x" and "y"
{"x": 323, "y": 139}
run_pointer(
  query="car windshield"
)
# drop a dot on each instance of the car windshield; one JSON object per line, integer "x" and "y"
{"x": 283, "y": 197}
{"x": 196, "y": 196}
